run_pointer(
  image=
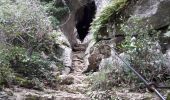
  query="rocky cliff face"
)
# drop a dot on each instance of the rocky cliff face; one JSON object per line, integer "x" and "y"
{"x": 152, "y": 12}
{"x": 77, "y": 10}
{"x": 80, "y": 52}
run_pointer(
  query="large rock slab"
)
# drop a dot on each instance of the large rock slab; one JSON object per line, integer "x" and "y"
{"x": 95, "y": 53}
{"x": 153, "y": 12}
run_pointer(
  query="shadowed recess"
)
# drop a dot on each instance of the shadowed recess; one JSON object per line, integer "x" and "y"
{"x": 84, "y": 17}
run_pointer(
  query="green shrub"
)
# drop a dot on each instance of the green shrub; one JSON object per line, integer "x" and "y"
{"x": 102, "y": 20}
{"x": 23, "y": 22}
{"x": 142, "y": 44}
{"x": 23, "y": 68}
{"x": 6, "y": 75}
{"x": 57, "y": 11}
{"x": 28, "y": 66}
{"x": 111, "y": 77}
{"x": 34, "y": 83}
{"x": 24, "y": 33}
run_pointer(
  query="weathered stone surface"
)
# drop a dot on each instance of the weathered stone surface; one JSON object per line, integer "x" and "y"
{"x": 69, "y": 29}
{"x": 113, "y": 62}
{"x": 69, "y": 26}
{"x": 87, "y": 53}
{"x": 92, "y": 58}
{"x": 48, "y": 94}
{"x": 3, "y": 96}
{"x": 64, "y": 51}
{"x": 153, "y": 12}
{"x": 95, "y": 53}
{"x": 101, "y": 4}
{"x": 66, "y": 70}
{"x": 67, "y": 56}
{"x": 167, "y": 57}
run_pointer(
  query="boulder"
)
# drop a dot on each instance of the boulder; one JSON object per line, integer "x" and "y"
{"x": 66, "y": 54}
{"x": 63, "y": 52}
{"x": 113, "y": 62}
{"x": 95, "y": 53}
{"x": 153, "y": 12}
{"x": 100, "y": 4}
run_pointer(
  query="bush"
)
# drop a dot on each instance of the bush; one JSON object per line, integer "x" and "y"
{"x": 20, "y": 69}
{"x": 111, "y": 76}
{"x": 6, "y": 75}
{"x": 24, "y": 33}
{"x": 23, "y": 22}
{"x": 142, "y": 44}
{"x": 27, "y": 66}
{"x": 57, "y": 11}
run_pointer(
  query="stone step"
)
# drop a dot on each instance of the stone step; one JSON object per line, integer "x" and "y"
{"x": 48, "y": 94}
{"x": 79, "y": 47}
{"x": 78, "y": 59}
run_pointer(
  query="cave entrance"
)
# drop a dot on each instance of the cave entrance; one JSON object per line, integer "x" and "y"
{"x": 84, "y": 17}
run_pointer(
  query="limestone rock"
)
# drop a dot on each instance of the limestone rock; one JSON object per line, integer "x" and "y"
{"x": 66, "y": 70}
{"x": 69, "y": 26}
{"x": 101, "y": 4}
{"x": 95, "y": 53}
{"x": 167, "y": 57}
{"x": 3, "y": 95}
{"x": 113, "y": 62}
{"x": 63, "y": 52}
{"x": 154, "y": 12}
{"x": 67, "y": 56}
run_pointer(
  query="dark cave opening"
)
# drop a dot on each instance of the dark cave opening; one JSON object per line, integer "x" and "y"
{"x": 85, "y": 16}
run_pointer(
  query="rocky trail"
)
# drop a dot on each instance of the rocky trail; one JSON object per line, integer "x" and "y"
{"x": 74, "y": 86}
{"x": 75, "y": 82}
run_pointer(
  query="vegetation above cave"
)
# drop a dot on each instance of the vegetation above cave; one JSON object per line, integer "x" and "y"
{"x": 101, "y": 21}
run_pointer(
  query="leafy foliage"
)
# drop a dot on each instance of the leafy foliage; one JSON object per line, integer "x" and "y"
{"x": 101, "y": 21}
{"x": 142, "y": 44}
{"x": 22, "y": 22}
{"x": 111, "y": 77}
{"x": 24, "y": 33}
{"x": 27, "y": 66}
{"x": 56, "y": 11}
{"x": 6, "y": 75}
